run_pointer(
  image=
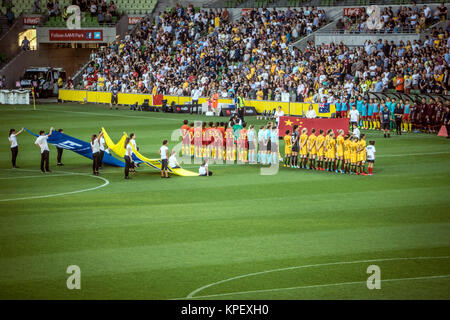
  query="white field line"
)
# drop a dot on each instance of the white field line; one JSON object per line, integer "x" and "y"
{"x": 193, "y": 293}
{"x": 106, "y": 182}
{"x": 316, "y": 286}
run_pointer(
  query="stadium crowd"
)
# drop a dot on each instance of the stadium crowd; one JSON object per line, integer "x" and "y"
{"x": 403, "y": 19}
{"x": 188, "y": 51}
{"x": 185, "y": 52}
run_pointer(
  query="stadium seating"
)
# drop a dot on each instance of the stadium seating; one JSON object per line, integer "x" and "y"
{"x": 123, "y": 6}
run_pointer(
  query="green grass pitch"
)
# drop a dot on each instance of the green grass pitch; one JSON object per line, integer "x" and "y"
{"x": 237, "y": 235}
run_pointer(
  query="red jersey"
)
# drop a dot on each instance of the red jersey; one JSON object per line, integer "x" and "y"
{"x": 191, "y": 133}
{"x": 229, "y": 136}
{"x": 185, "y": 134}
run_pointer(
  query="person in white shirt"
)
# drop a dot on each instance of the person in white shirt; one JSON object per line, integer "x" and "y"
{"x": 354, "y": 116}
{"x": 164, "y": 152}
{"x": 128, "y": 157}
{"x": 261, "y": 145}
{"x": 14, "y": 145}
{"x": 173, "y": 163}
{"x": 311, "y": 113}
{"x": 279, "y": 113}
{"x": 133, "y": 143}
{"x": 370, "y": 151}
{"x": 102, "y": 143}
{"x": 203, "y": 171}
{"x": 41, "y": 143}
{"x": 95, "y": 147}
{"x": 356, "y": 133}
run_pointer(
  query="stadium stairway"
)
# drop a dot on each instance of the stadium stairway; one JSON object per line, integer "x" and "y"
{"x": 8, "y": 40}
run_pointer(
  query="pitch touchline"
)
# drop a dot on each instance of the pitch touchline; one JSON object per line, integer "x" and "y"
{"x": 316, "y": 286}
{"x": 191, "y": 295}
{"x": 106, "y": 182}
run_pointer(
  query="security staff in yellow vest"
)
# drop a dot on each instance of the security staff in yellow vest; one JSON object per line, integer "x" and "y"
{"x": 241, "y": 107}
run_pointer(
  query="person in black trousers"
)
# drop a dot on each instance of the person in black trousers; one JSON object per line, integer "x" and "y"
{"x": 447, "y": 120}
{"x": 14, "y": 145}
{"x": 60, "y": 151}
{"x": 128, "y": 155}
{"x": 102, "y": 151}
{"x": 41, "y": 142}
{"x": 95, "y": 146}
{"x": 398, "y": 114}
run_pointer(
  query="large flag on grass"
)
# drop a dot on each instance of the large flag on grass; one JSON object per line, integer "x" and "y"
{"x": 81, "y": 147}
{"x": 287, "y": 123}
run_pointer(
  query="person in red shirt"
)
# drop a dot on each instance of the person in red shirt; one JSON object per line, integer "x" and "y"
{"x": 399, "y": 83}
{"x": 229, "y": 137}
{"x": 222, "y": 142}
{"x": 198, "y": 132}
{"x": 242, "y": 144}
{"x": 191, "y": 134}
{"x": 185, "y": 138}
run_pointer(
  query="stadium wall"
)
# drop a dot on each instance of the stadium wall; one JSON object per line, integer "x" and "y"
{"x": 356, "y": 40}
{"x": 291, "y": 108}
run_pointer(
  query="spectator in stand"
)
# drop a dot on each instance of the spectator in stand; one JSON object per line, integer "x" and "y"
{"x": 10, "y": 17}
{"x": 100, "y": 17}
{"x": 93, "y": 8}
{"x": 442, "y": 11}
{"x": 25, "y": 44}
{"x": 36, "y": 6}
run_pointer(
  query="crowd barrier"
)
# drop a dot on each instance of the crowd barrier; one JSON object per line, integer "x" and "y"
{"x": 14, "y": 97}
{"x": 291, "y": 108}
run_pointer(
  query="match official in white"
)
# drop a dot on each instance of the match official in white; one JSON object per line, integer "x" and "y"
{"x": 95, "y": 146}
{"x": 102, "y": 150}
{"x": 14, "y": 145}
{"x": 41, "y": 143}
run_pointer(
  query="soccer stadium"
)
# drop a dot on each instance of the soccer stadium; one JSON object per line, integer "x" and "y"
{"x": 224, "y": 150}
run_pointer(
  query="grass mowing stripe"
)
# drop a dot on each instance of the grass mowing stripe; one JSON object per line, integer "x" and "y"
{"x": 193, "y": 293}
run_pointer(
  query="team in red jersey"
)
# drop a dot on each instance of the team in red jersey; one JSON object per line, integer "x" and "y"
{"x": 427, "y": 116}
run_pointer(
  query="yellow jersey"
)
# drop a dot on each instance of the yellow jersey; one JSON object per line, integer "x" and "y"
{"x": 320, "y": 145}
{"x": 331, "y": 148}
{"x": 362, "y": 150}
{"x": 287, "y": 144}
{"x": 347, "y": 144}
{"x": 353, "y": 151}
{"x": 340, "y": 146}
{"x": 312, "y": 144}
{"x": 303, "y": 139}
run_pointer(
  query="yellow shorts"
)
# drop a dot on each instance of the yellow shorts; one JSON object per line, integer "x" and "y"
{"x": 287, "y": 151}
{"x": 332, "y": 154}
{"x": 353, "y": 158}
{"x": 313, "y": 152}
{"x": 361, "y": 157}
{"x": 303, "y": 151}
{"x": 340, "y": 152}
{"x": 347, "y": 155}
{"x": 320, "y": 153}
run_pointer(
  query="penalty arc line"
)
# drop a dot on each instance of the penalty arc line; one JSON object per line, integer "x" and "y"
{"x": 191, "y": 295}
{"x": 316, "y": 286}
{"x": 106, "y": 182}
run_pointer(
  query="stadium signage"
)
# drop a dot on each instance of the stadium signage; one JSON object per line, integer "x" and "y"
{"x": 349, "y": 12}
{"x": 246, "y": 11}
{"x": 134, "y": 20}
{"x": 76, "y": 35}
{"x": 31, "y": 20}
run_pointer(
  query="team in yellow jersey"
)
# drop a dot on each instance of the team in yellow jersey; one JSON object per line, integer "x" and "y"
{"x": 326, "y": 152}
